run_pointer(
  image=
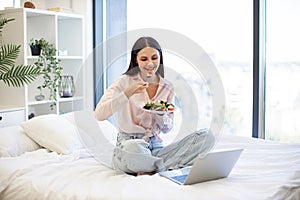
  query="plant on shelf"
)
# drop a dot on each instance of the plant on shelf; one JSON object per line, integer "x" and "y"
{"x": 11, "y": 74}
{"x": 36, "y": 46}
{"x": 50, "y": 69}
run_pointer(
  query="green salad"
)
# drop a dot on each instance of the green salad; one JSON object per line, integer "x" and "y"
{"x": 159, "y": 106}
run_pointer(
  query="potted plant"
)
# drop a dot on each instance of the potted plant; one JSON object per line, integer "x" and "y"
{"x": 35, "y": 46}
{"x": 11, "y": 74}
{"x": 50, "y": 69}
{"x": 40, "y": 96}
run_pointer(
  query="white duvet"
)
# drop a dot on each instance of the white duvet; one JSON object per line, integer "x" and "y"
{"x": 265, "y": 170}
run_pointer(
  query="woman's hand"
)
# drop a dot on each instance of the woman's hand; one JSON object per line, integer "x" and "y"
{"x": 164, "y": 122}
{"x": 135, "y": 88}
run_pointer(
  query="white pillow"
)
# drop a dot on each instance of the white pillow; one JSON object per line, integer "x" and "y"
{"x": 109, "y": 131}
{"x": 107, "y": 128}
{"x": 53, "y": 132}
{"x": 14, "y": 142}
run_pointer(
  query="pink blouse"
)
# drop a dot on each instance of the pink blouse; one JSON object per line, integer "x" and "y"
{"x": 130, "y": 116}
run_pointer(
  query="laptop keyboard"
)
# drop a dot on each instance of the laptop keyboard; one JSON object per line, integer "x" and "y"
{"x": 180, "y": 178}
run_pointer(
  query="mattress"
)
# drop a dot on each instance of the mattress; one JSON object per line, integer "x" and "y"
{"x": 265, "y": 170}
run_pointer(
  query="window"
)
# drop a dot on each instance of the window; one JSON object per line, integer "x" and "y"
{"x": 224, "y": 30}
{"x": 9, "y": 3}
{"x": 282, "y": 70}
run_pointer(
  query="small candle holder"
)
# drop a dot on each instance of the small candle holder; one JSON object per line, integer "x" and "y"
{"x": 66, "y": 86}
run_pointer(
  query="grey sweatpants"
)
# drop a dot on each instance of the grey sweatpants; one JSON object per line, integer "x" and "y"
{"x": 133, "y": 154}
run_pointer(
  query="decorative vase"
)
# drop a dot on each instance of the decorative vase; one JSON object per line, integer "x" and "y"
{"x": 66, "y": 86}
{"x": 39, "y": 97}
{"x": 29, "y": 4}
{"x": 35, "y": 50}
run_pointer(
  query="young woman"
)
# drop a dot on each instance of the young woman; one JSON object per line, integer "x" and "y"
{"x": 139, "y": 148}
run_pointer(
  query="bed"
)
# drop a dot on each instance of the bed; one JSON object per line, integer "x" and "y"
{"x": 43, "y": 159}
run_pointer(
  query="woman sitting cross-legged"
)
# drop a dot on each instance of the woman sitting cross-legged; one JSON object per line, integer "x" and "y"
{"x": 139, "y": 148}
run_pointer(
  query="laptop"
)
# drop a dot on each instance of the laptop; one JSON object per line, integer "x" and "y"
{"x": 215, "y": 165}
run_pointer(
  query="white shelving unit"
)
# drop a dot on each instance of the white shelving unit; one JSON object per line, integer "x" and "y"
{"x": 66, "y": 32}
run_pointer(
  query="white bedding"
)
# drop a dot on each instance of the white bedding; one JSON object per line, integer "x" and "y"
{"x": 265, "y": 170}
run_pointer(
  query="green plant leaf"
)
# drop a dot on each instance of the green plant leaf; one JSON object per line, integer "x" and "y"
{"x": 4, "y": 21}
{"x": 50, "y": 69}
{"x": 9, "y": 73}
{"x": 8, "y": 55}
{"x": 17, "y": 76}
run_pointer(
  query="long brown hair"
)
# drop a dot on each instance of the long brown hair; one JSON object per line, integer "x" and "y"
{"x": 139, "y": 45}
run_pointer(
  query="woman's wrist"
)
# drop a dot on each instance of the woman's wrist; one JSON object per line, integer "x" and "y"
{"x": 128, "y": 92}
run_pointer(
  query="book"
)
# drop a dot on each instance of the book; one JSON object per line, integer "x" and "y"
{"x": 60, "y": 9}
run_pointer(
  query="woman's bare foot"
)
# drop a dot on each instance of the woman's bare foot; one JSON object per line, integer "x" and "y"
{"x": 145, "y": 173}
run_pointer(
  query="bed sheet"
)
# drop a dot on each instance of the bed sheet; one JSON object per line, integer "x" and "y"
{"x": 265, "y": 170}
